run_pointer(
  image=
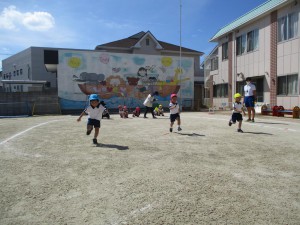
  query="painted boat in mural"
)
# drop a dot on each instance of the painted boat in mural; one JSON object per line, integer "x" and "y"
{"x": 115, "y": 86}
{"x": 136, "y": 91}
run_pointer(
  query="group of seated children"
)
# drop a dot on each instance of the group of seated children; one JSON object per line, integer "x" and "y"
{"x": 123, "y": 111}
{"x": 159, "y": 111}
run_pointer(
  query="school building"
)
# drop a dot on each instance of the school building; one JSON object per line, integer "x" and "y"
{"x": 263, "y": 44}
{"x": 121, "y": 71}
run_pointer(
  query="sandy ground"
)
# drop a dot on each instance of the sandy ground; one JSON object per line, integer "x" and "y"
{"x": 51, "y": 173}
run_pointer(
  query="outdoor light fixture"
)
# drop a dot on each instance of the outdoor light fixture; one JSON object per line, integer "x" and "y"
{"x": 241, "y": 74}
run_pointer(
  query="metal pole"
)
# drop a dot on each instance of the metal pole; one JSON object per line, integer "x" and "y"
{"x": 180, "y": 7}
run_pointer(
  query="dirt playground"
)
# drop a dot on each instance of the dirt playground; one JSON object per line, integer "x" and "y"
{"x": 140, "y": 173}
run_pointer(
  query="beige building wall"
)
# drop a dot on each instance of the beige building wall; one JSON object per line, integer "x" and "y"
{"x": 288, "y": 59}
{"x": 258, "y": 62}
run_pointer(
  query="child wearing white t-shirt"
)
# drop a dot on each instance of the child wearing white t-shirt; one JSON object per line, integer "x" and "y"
{"x": 237, "y": 112}
{"x": 94, "y": 111}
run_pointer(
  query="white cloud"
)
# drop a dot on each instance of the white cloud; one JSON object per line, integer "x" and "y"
{"x": 12, "y": 19}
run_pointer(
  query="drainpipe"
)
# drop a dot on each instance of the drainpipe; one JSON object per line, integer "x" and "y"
{"x": 234, "y": 69}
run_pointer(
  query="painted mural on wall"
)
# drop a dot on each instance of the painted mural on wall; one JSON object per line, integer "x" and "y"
{"x": 121, "y": 78}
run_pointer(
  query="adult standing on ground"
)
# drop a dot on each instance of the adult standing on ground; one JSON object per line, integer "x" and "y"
{"x": 250, "y": 96}
{"x": 148, "y": 104}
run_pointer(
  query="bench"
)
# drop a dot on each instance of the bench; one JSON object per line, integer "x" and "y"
{"x": 279, "y": 113}
{"x": 286, "y": 111}
{"x": 266, "y": 111}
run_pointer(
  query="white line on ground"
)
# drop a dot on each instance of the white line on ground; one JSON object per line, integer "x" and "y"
{"x": 18, "y": 134}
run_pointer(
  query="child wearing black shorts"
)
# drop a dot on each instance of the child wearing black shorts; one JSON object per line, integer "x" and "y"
{"x": 174, "y": 112}
{"x": 237, "y": 112}
{"x": 94, "y": 111}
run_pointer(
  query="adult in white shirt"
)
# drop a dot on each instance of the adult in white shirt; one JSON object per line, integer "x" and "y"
{"x": 148, "y": 104}
{"x": 250, "y": 96}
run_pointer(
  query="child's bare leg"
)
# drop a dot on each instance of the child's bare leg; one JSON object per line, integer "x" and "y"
{"x": 96, "y": 132}
{"x": 178, "y": 122}
{"x": 89, "y": 129}
{"x": 240, "y": 124}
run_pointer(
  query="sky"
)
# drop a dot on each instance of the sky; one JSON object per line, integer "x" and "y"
{"x": 84, "y": 24}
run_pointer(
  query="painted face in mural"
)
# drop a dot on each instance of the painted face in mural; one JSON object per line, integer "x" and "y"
{"x": 142, "y": 72}
{"x": 104, "y": 58}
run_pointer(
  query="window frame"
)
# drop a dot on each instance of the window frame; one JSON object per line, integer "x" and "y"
{"x": 285, "y": 25}
{"x": 147, "y": 41}
{"x": 220, "y": 90}
{"x": 285, "y": 80}
{"x": 225, "y": 51}
{"x": 241, "y": 44}
{"x": 252, "y": 40}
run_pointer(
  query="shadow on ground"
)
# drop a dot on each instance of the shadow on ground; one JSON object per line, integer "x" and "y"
{"x": 272, "y": 123}
{"x": 191, "y": 135}
{"x": 119, "y": 147}
{"x": 257, "y": 133}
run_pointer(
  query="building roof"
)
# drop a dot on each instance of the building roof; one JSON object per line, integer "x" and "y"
{"x": 132, "y": 41}
{"x": 255, "y": 13}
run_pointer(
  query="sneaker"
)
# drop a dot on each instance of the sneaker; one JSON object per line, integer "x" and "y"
{"x": 171, "y": 129}
{"x": 240, "y": 130}
{"x": 248, "y": 120}
{"x": 179, "y": 129}
{"x": 145, "y": 117}
{"x": 154, "y": 117}
{"x": 95, "y": 141}
{"x": 88, "y": 132}
{"x": 252, "y": 120}
{"x": 230, "y": 123}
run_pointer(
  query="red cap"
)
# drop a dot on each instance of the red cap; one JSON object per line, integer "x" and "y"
{"x": 173, "y": 95}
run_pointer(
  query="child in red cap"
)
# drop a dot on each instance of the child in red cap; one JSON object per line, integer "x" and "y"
{"x": 174, "y": 112}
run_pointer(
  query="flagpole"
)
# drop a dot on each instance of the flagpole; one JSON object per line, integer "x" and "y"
{"x": 180, "y": 39}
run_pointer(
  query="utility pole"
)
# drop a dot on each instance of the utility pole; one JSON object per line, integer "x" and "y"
{"x": 180, "y": 69}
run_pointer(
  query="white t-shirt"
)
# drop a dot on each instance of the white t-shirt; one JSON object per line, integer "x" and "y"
{"x": 237, "y": 106}
{"x": 149, "y": 100}
{"x": 95, "y": 113}
{"x": 249, "y": 88}
{"x": 174, "y": 108}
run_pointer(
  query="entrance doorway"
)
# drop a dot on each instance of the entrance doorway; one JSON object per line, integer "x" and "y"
{"x": 259, "y": 84}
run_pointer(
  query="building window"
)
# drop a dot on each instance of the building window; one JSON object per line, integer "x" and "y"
{"x": 252, "y": 40}
{"x": 241, "y": 44}
{"x": 220, "y": 90}
{"x": 214, "y": 63}
{"x": 287, "y": 85}
{"x": 240, "y": 87}
{"x": 14, "y": 73}
{"x": 225, "y": 51}
{"x": 147, "y": 41}
{"x": 288, "y": 27}
{"x": 17, "y": 72}
{"x": 21, "y": 71}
